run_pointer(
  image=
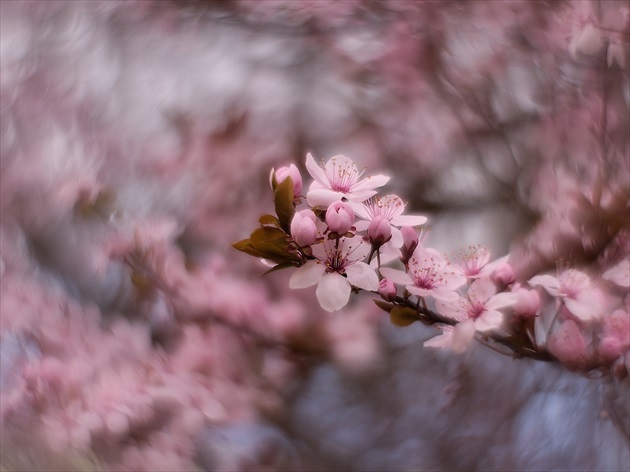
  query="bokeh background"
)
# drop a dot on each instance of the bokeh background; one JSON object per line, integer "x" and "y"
{"x": 136, "y": 140}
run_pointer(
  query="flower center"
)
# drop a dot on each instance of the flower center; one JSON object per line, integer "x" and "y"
{"x": 342, "y": 176}
{"x": 387, "y": 207}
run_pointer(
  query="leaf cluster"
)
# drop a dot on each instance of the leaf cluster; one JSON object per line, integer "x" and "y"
{"x": 272, "y": 240}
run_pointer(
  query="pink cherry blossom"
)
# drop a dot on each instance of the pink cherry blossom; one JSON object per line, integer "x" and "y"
{"x": 619, "y": 274}
{"x": 429, "y": 274}
{"x": 615, "y": 335}
{"x": 389, "y": 207}
{"x": 478, "y": 310}
{"x": 339, "y": 217}
{"x": 339, "y": 178}
{"x": 575, "y": 290}
{"x": 567, "y": 343}
{"x": 338, "y": 266}
{"x": 475, "y": 263}
{"x": 303, "y": 228}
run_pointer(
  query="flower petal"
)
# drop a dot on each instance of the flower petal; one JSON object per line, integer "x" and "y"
{"x": 370, "y": 183}
{"x": 316, "y": 171}
{"x": 333, "y": 291}
{"x": 584, "y": 308}
{"x": 307, "y": 275}
{"x": 451, "y": 309}
{"x": 463, "y": 335}
{"x": 444, "y": 293}
{"x": 501, "y": 300}
{"x": 396, "y": 276}
{"x": 322, "y": 197}
{"x": 408, "y": 220}
{"x": 397, "y": 238}
{"x": 488, "y": 320}
{"x": 548, "y": 282}
{"x": 362, "y": 275}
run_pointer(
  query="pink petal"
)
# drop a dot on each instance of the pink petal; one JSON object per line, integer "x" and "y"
{"x": 451, "y": 309}
{"x": 322, "y": 197}
{"x": 584, "y": 308}
{"x": 443, "y": 341}
{"x": 482, "y": 289}
{"x": 489, "y": 320}
{"x": 463, "y": 335}
{"x": 408, "y": 220}
{"x": 359, "y": 196}
{"x": 361, "y": 225}
{"x": 444, "y": 293}
{"x": 548, "y": 282}
{"x": 363, "y": 276}
{"x": 397, "y": 238}
{"x": 333, "y": 291}
{"x": 501, "y": 300}
{"x": 396, "y": 276}
{"x": 316, "y": 171}
{"x": 307, "y": 275}
{"x": 370, "y": 183}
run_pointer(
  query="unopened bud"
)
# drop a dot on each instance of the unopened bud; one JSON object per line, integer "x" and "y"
{"x": 303, "y": 228}
{"x": 527, "y": 304}
{"x": 379, "y": 231}
{"x": 339, "y": 217}
{"x": 503, "y": 275}
{"x": 291, "y": 171}
{"x": 387, "y": 290}
{"x": 410, "y": 243}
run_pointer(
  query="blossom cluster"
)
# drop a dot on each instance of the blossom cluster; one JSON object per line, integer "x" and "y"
{"x": 346, "y": 234}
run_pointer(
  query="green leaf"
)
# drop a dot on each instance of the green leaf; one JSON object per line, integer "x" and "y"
{"x": 403, "y": 316}
{"x": 383, "y": 305}
{"x": 283, "y": 200}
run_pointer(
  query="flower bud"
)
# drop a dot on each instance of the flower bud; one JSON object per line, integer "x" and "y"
{"x": 527, "y": 304}
{"x": 303, "y": 228}
{"x": 503, "y": 275}
{"x": 387, "y": 290}
{"x": 567, "y": 343}
{"x": 339, "y": 217}
{"x": 291, "y": 171}
{"x": 410, "y": 243}
{"x": 379, "y": 231}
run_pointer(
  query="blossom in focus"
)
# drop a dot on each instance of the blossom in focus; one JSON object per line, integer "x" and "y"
{"x": 429, "y": 274}
{"x": 338, "y": 266}
{"x": 339, "y": 217}
{"x": 389, "y": 207}
{"x": 303, "y": 228}
{"x": 478, "y": 310}
{"x": 575, "y": 290}
{"x": 339, "y": 178}
{"x": 291, "y": 171}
